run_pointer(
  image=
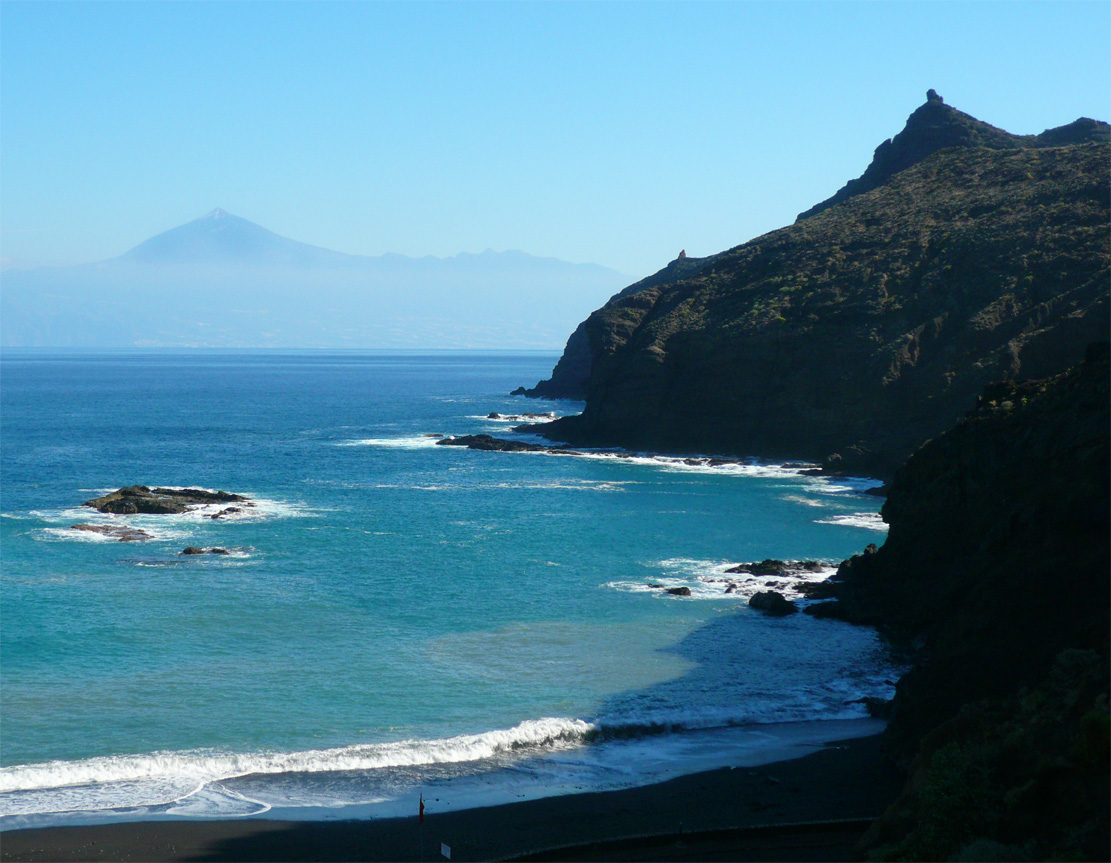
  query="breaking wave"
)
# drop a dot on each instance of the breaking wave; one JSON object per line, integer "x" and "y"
{"x": 866, "y": 520}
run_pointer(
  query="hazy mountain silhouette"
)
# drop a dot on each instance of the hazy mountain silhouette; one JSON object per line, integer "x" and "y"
{"x": 221, "y": 238}
{"x": 224, "y": 281}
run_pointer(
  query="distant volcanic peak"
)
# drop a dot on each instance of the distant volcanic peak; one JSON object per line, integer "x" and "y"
{"x": 216, "y": 237}
{"x": 219, "y": 238}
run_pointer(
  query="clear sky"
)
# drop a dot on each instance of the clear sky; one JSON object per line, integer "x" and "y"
{"x": 614, "y": 133}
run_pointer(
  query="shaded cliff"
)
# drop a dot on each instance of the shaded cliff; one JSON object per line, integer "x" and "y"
{"x": 996, "y": 573}
{"x": 568, "y": 380}
{"x": 869, "y": 327}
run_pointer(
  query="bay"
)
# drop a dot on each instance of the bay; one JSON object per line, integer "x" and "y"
{"x": 393, "y": 614}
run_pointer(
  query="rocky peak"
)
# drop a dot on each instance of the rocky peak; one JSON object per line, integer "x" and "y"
{"x": 936, "y": 126}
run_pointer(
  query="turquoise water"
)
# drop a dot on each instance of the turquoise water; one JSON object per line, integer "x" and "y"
{"x": 394, "y": 615}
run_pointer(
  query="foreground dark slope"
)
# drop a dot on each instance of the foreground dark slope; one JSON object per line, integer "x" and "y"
{"x": 869, "y": 327}
{"x": 996, "y": 574}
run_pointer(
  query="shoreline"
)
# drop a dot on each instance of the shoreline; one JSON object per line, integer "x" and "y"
{"x": 719, "y": 813}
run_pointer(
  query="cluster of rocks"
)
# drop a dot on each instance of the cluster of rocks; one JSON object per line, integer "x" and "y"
{"x": 142, "y": 500}
{"x": 771, "y": 566}
{"x": 771, "y": 602}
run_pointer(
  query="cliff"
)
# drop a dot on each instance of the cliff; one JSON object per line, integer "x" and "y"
{"x": 996, "y": 575}
{"x": 870, "y": 325}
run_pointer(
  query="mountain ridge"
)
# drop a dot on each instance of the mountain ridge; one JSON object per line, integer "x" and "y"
{"x": 936, "y": 126}
{"x": 857, "y": 333}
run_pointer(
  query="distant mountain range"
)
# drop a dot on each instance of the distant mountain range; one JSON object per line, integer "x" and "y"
{"x": 222, "y": 281}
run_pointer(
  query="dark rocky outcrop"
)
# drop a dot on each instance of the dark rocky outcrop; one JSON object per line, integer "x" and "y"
{"x": 192, "y": 549}
{"x": 492, "y": 444}
{"x": 768, "y": 566}
{"x": 772, "y": 603}
{"x": 815, "y": 589}
{"x": 771, "y": 566}
{"x": 865, "y": 329}
{"x": 120, "y": 533}
{"x": 996, "y": 576}
{"x": 140, "y": 499}
{"x": 679, "y": 591}
{"x": 569, "y": 376}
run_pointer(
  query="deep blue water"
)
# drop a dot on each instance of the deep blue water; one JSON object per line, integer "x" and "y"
{"x": 394, "y": 615}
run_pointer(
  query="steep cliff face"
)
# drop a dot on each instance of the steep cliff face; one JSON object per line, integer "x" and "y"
{"x": 568, "y": 380}
{"x": 870, "y": 326}
{"x": 996, "y": 573}
{"x": 998, "y": 552}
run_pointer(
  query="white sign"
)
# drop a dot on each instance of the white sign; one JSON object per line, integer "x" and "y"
{"x": 445, "y": 850}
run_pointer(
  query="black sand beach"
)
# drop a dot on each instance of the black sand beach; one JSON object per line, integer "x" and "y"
{"x": 810, "y": 808}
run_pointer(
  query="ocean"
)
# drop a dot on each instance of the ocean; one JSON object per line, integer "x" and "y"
{"x": 394, "y": 617}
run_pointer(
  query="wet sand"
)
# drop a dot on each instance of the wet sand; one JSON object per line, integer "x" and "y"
{"x": 810, "y": 808}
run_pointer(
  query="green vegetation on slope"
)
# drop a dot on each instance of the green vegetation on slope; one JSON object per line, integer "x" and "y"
{"x": 870, "y": 327}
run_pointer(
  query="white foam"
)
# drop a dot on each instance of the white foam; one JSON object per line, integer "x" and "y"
{"x": 866, "y": 520}
{"x": 65, "y": 533}
{"x": 143, "y": 780}
{"x": 805, "y": 501}
{"x": 845, "y": 484}
{"x": 410, "y": 442}
{"x": 255, "y": 509}
{"x": 155, "y": 532}
{"x": 518, "y": 418}
{"x": 702, "y": 464}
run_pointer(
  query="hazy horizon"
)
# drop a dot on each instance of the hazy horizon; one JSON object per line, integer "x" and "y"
{"x": 614, "y": 134}
{"x": 7, "y": 264}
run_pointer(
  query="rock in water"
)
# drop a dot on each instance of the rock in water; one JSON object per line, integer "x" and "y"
{"x": 140, "y": 499}
{"x": 775, "y": 604}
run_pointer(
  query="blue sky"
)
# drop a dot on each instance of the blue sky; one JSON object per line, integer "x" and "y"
{"x": 615, "y": 133}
